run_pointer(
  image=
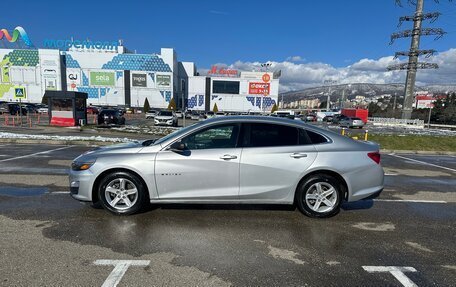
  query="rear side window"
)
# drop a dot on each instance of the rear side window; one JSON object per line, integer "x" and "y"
{"x": 316, "y": 138}
{"x": 269, "y": 135}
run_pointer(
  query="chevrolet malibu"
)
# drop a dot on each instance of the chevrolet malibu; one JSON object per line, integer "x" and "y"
{"x": 231, "y": 160}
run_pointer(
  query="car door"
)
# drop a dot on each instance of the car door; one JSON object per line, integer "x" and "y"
{"x": 274, "y": 159}
{"x": 208, "y": 169}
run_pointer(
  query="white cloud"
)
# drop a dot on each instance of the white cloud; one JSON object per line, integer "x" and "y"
{"x": 303, "y": 75}
{"x": 295, "y": 59}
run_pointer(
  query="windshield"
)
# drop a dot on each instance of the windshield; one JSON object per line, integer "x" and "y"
{"x": 176, "y": 133}
{"x": 165, "y": 113}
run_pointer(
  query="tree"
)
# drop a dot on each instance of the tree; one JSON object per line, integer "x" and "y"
{"x": 146, "y": 106}
{"x": 215, "y": 109}
{"x": 172, "y": 105}
{"x": 274, "y": 108}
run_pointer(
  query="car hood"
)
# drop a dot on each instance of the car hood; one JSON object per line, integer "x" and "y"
{"x": 164, "y": 117}
{"x": 130, "y": 147}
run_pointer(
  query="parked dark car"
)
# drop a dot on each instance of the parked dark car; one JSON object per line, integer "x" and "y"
{"x": 12, "y": 109}
{"x": 111, "y": 117}
{"x": 337, "y": 118}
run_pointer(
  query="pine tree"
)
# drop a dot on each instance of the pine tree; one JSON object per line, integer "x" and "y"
{"x": 274, "y": 108}
{"x": 215, "y": 109}
{"x": 146, "y": 106}
{"x": 172, "y": 105}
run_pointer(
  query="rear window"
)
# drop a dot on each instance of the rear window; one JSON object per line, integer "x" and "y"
{"x": 269, "y": 135}
{"x": 316, "y": 138}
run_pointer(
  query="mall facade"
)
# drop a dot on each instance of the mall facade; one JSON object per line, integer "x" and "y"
{"x": 111, "y": 75}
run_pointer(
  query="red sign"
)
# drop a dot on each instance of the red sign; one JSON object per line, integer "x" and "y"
{"x": 222, "y": 72}
{"x": 259, "y": 89}
{"x": 266, "y": 78}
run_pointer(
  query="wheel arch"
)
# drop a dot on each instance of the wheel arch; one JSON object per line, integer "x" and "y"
{"x": 97, "y": 181}
{"x": 332, "y": 173}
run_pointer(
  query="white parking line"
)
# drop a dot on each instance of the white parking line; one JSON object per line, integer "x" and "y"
{"x": 411, "y": 200}
{"x": 422, "y": 162}
{"x": 396, "y": 271}
{"x": 390, "y": 174}
{"x": 33, "y": 154}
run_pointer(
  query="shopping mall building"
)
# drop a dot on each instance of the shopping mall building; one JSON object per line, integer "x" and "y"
{"x": 112, "y": 75}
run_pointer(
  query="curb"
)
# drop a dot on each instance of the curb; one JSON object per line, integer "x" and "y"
{"x": 430, "y": 152}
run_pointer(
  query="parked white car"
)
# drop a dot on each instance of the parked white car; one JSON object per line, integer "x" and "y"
{"x": 166, "y": 118}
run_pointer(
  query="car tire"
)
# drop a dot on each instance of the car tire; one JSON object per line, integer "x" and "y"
{"x": 313, "y": 199}
{"x": 122, "y": 193}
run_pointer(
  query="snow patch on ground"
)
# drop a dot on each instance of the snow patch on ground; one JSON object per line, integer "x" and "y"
{"x": 6, "y": 135}
{"x": 151, "y": 130}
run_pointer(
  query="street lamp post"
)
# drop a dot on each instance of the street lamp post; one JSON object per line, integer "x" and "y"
{"x": 266, "y": 67}
{"x": 328, "y": 101}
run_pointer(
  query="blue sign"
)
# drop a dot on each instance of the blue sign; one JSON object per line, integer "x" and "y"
{"x": 66, "y": 44}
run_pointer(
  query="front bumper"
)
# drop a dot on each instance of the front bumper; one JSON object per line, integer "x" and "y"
{"x": 164, "y": 123}
{"x": 81, "y": 183}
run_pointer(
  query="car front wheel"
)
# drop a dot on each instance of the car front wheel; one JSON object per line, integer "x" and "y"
{"x": 319, "y": 196}
{"x": 122, "y": 193}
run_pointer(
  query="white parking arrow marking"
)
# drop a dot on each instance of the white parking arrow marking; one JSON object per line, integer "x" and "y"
{"x": 396, "y": 271}
{"x": 120, "y": 268}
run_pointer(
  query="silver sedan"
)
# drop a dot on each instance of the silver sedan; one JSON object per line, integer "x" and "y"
{"x": 239, "y": 159}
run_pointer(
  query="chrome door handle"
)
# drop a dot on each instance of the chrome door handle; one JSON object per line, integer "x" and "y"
{"x": 298, "y": 155}
{"x": 228, "y": 157}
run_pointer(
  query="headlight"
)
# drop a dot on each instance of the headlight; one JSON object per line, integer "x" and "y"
{"x": 81, "y": 165}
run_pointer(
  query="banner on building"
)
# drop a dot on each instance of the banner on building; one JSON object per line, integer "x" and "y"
{"x": 139, "y": 80}
{"x": 164, "y": 80}
{"x": 259, "y": 88}
{"x": 105, "y": 79}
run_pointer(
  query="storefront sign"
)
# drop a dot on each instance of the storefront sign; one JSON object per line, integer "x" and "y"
{"x": 104, "y": 79}
{"x": 259, "y": 88}
{"x": 222, "y": 72}
{"x": 424, "y": 104}
{"x": 139, "y": 80}
{"x": 14, "y": 36}
{"x": 164, "y": 80}
{"x": 266, "y": 78}
{"x": 67, "y": 44}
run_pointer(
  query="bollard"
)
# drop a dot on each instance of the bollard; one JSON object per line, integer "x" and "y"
{"x": 343, "y": 131}
{"x": 30, "y": 123}
{"x": 39, "y": 115}
{"x": 13, "y": 122}
{"x": 365, "y": 135}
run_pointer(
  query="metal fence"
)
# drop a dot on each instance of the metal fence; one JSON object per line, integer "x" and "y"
{"x": 396, "y": 122}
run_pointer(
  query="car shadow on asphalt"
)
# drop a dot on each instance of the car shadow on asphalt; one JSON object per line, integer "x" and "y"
{"x": 357, "y": 205}
{"x": 266, "y": 207}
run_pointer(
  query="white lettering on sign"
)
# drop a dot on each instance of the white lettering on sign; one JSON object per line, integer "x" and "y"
{"x": 120, "y": 268}
{"x": 102, "y": 78}
{"x": 396, "y": 271}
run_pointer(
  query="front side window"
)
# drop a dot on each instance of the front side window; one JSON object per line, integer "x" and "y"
{"x": 224, "y": 136}
{"x": 269, "y": 135}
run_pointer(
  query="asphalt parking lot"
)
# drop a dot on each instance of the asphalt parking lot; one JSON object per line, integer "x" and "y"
{"x": 405, "y": 238}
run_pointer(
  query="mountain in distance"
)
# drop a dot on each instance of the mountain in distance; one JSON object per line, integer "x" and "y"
{"x": 359, "y": 89}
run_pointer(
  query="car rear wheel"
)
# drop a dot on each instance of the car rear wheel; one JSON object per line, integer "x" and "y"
{"x": 122, "y": 193}
{"x": 319, "y": 196}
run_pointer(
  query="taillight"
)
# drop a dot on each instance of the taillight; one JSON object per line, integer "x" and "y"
{"x": 375, "y": 156}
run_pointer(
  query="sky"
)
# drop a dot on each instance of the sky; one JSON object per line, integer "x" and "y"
{"x": 310, "y": 41}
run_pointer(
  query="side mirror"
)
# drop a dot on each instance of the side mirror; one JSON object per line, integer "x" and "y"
{"x": 178, "y": 147}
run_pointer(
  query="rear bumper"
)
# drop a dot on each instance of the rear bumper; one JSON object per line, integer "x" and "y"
{"x": 374, "y": 195}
